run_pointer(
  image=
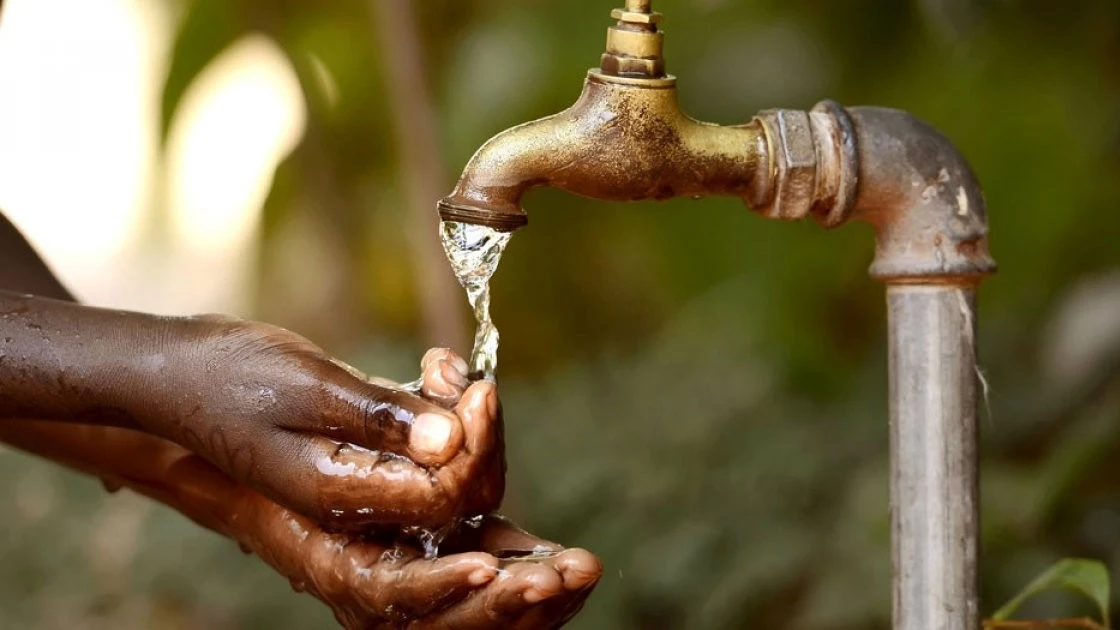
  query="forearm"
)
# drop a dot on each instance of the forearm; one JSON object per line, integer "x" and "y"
{"x": 63, "y": 361}
{"x": 148, "y": 465}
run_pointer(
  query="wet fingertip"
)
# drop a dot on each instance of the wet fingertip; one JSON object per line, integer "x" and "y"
{"x": 483, "y": 575}
{"x": 540, "y": 584}
{"x": 432, "y": 355}
{"x": 431, "y": 434}
{"x": 579, "y": 568}
{"x": 492, "y": 403}
{"x": 480, "y": 396}
{"x": 459, "y": 364}
{"x": 453, "y": 376}
{"x": 435, "y": 385}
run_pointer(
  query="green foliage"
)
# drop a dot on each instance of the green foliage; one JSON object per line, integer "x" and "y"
{"x": 1088, "y": 577}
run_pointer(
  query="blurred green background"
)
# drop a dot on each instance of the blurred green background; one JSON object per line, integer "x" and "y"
{"x": 694, "y": 393}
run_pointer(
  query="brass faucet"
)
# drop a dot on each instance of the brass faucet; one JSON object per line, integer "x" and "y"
{"x": 626, "y": 139}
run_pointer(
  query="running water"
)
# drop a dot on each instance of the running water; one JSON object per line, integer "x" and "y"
{"x": 474, "y": 252}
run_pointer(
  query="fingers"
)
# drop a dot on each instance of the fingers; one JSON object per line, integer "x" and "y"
{"x": 444, "y": 376}
{"x": 515, "y": 590}
{"x": 366, "y": 583}
{"x": 387, "y": 419}
{"x": 478, "y": 474}
{"x": 501, "y": 537}
{"x": 345, "y": 487}
{"x": 406, "y": 589}
{"x": 384, "y": 419}
{"x": 478, "y": 409}
{"x": 382, "y": 479}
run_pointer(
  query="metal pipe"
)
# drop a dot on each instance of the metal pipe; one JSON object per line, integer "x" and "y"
{"x": 934, "y": 479}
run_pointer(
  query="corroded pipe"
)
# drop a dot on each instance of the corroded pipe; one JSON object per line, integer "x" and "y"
{"x": 626, "y": 139}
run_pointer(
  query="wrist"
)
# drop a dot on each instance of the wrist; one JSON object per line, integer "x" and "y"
{"x": 156, "y": 378}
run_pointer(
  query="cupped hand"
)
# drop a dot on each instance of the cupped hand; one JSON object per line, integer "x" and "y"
{"x": 272, "y": 410}
{"x": 498, "y": 576}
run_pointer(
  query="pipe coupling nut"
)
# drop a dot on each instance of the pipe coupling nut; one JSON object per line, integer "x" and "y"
{"x": 793, "y": 166}
{"x": 813, "y": 167}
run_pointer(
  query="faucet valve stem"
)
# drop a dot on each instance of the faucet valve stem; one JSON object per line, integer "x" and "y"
{"x": 634, "y": 44}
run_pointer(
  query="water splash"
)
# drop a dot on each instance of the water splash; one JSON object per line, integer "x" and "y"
{"x": 430, "y": 539}
{"x": 474, "y": 252}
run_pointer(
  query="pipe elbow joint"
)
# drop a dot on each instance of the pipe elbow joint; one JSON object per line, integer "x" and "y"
{"x": 887, "y": 168}
{"x": 923, "y": 199}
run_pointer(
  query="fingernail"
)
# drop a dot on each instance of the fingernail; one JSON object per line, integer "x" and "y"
{"x": 436, "y": 385}
{"x": 453, "y": 375}
{"x": 459, "y": 363}
{"x": 430, "y": 432}
{"x": 482, "y": 576}
{"x": 492, "y": 402}
{"x": 533, "y": 595}
{"x": 432, "y": 355}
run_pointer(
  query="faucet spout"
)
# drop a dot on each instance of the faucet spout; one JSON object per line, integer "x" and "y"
{"x": 625, "y": 139}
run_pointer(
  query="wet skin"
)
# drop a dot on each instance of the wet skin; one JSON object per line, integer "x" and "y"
{"x": 368, "y": 581}
{"x": 254, "y": 432}
{"x": 264, "y": 405}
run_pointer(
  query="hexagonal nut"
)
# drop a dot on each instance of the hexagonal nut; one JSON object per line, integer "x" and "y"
{"x": 631, "y": 66}
{"x": 790, "y": 136}
{"x": 635, "y": 17}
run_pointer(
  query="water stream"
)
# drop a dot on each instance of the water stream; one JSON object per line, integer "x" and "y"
{"x": 474, "y": 252}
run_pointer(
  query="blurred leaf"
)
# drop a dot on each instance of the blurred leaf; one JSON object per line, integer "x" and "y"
{"x": 1088, "y": 577}
{"x": 208, "y": 27}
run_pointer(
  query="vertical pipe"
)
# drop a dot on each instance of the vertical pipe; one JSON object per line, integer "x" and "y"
{"x": 933, "y": 433}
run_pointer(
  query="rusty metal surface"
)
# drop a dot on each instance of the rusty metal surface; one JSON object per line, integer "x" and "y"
{"x": 623, "y": 140}
{"x": 922, "y": 197}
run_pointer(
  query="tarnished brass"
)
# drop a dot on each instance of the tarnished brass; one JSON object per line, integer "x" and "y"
{"x": 623, "y": 140}
{"x": 626, "y": 139}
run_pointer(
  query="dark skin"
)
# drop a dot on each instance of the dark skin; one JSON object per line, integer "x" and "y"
{"x": 252, "y": 431}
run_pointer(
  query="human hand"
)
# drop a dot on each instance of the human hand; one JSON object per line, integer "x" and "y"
{"x": 273, "y": 411}
{"x": 495, "y": 576}
{"x": 491, "y": 576}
